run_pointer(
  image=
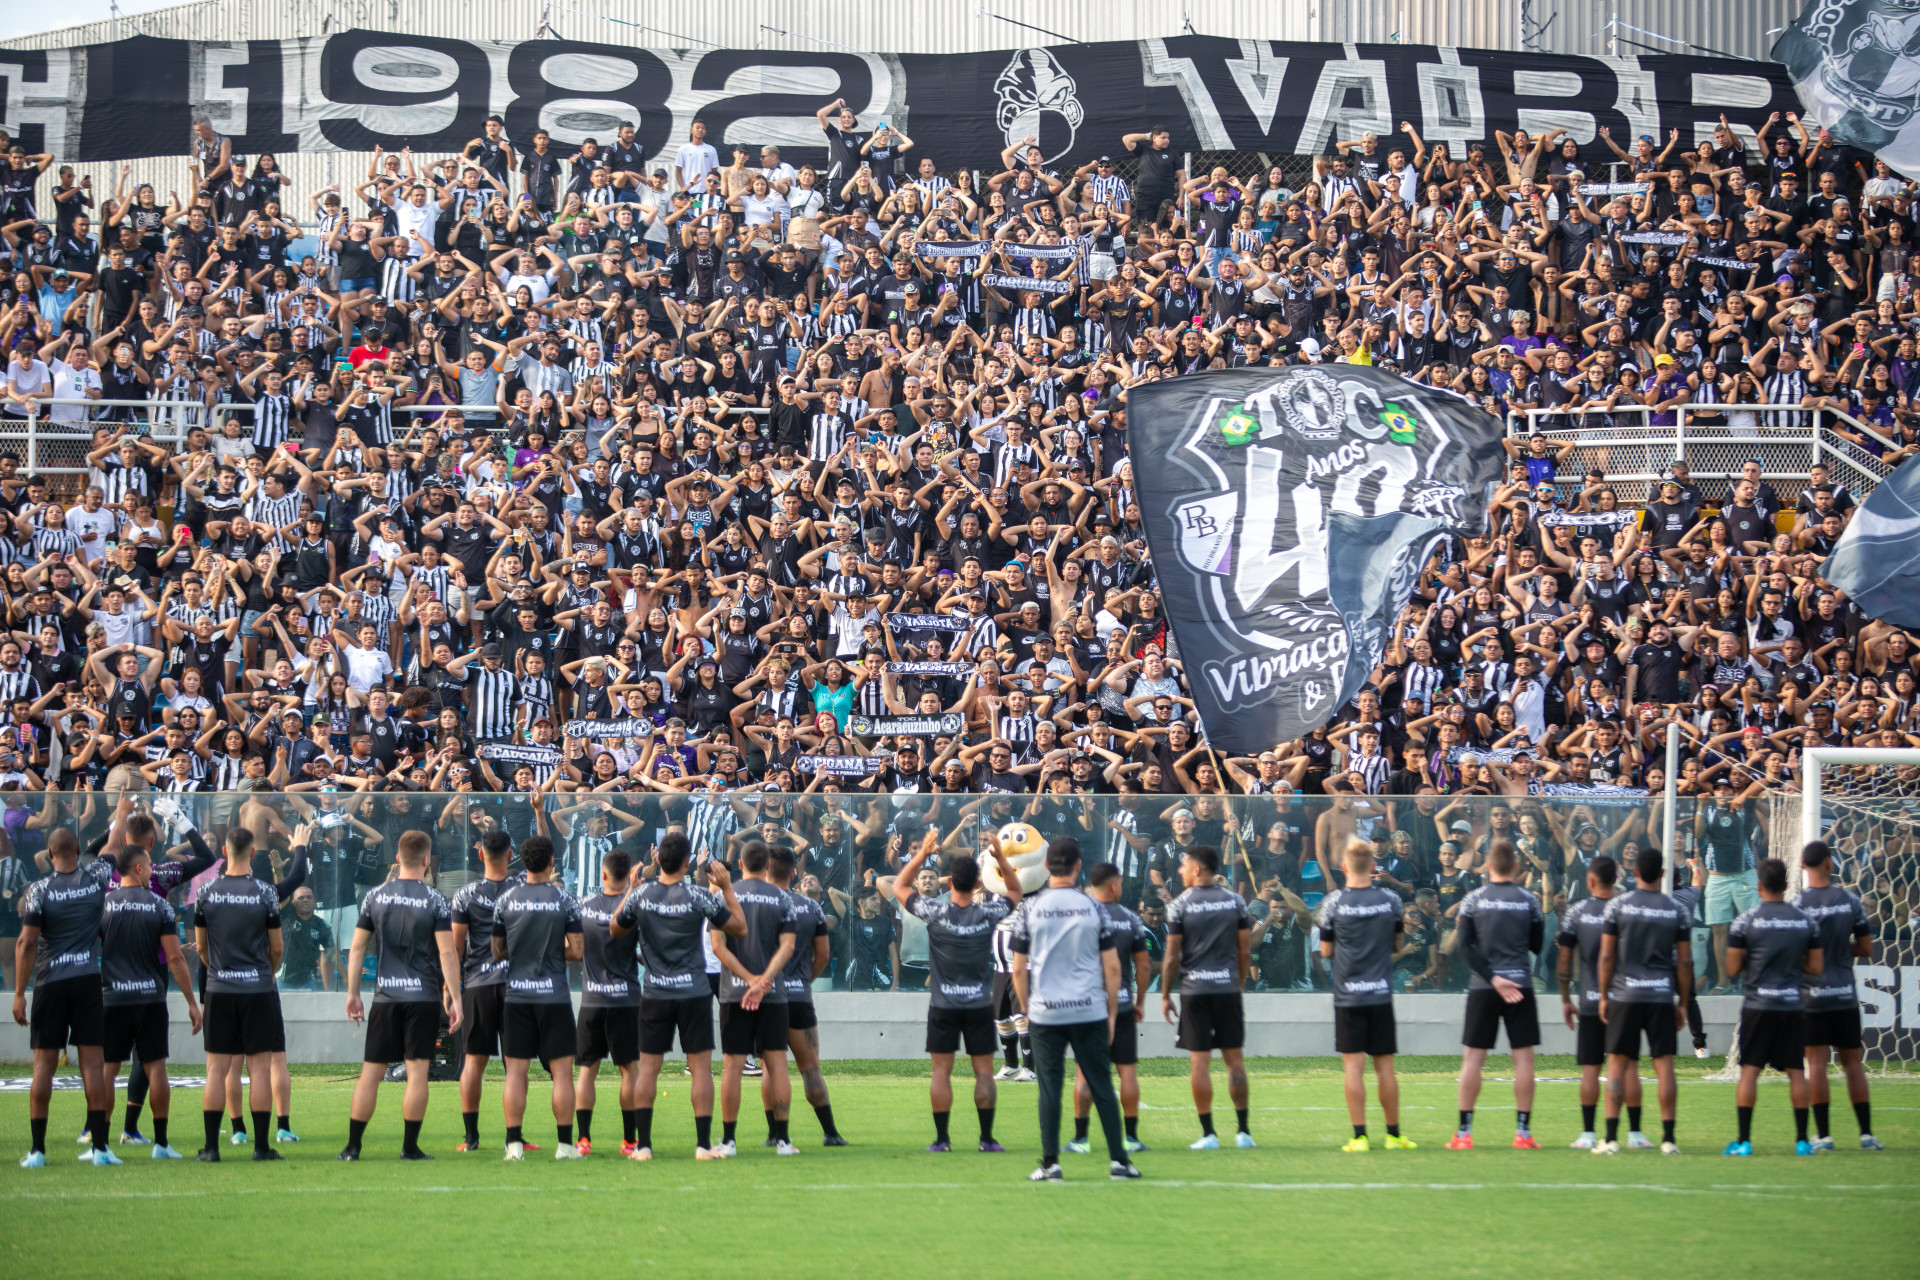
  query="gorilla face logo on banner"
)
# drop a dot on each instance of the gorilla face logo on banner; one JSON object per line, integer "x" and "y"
{"x": 1038, "y": 99}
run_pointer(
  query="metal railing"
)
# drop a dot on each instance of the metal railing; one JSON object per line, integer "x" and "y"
{"x": 50, "y": 446}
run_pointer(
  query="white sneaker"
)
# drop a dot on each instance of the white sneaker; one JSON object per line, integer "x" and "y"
{"x": 709, "y": 1153}
{"x": 785, "y": 1148}
{"x": 1046, "y": 1173}
{"x": 1025, "y": 1076}
{"x": 1206, "y": 1142}
{"x": 1004, "y": 1073}
{"x": 643, "y": 1153}
{"x": 567, "y": 1151}
{"x": 1637, "y": 1141}
{"x": 34, "y": 1160}
{"x": 165, "y": 1153}
{"x": 751, "y": 1068}
{"x": 727, "y": 1150}
{"x": 1606, "y": 1148}
{"x": 1870, "y": 1143}
{"x": 1244, "y": 1141}
{"x": 1823, "y": 1144}
{"x": 515, "y": 1151}
{"x": 1669, "y": 1148}
{"x": 1585, "y": 1141}
{"x": 1701, "y": 1052}
{"x": 102, "y": 1157}
{"x": 85, "y": 1138}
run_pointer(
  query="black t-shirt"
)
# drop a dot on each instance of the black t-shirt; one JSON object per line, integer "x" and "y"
{"x": 406, "y": 918}
{"x": 534, "y": 920}
{"x": 237, "y": 912}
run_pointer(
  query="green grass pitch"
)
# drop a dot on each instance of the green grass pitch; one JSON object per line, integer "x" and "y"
{"x": 883, "y": 1207}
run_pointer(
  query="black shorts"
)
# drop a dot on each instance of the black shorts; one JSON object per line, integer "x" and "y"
{"x": 762, "y": 1030}
{"x": 244, "y": 1023}
{"x": 1006, "y": 1001}
{"x": 67, "y": 1012}
{"x": 1590, "y": 1041}
{"x": 948, "y": 1029}
{"x": 1626, "y": 1022}
{"x": 1487, "y": 1012}
{"x": 1124, "y": 1049}
{"x": 608, "y": 1031}
{"x": 482, "y": 1009}
{"x": 136, "y": 1031}
{"x": 1837, "y": 1029}
{"x": 1212, "y": 1020}
{"x": 543, "y": 1031}
{"x": 691, "y": 1019}
{"x": 1774, "y": 1038}
{"x": 1365, "y": 1028}
{"x": 402, "y": 1031}
{"x": 802, "y": 1016}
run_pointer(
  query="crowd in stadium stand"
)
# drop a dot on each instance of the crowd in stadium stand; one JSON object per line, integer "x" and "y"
{"x": 538, "y": 485}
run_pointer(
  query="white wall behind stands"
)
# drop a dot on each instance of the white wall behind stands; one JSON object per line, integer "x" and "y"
{"x": 894, "y": 1026}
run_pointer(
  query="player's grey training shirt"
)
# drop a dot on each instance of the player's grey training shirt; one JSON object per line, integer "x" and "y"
{"x": 1500, "y": 929}
{"x": 237, "y": 912}
{"x": 1130, "y": 940}
{"x": 809, "y": 922}
{"x": 474, "y": 907}
{"x": 132, "y": 967}
{"x": 1362, "y": 925}
{"x": 66, "y": 907}
{"x": 769, "y": 915}
{"x": 668, "y": 919}
{"x": 406, "y": 918}
{"x": 1062, "y": 932}
{"x": 1838, "y": 918}
{"x": 535, "y": 920}
{"x": 1208, "y": 919}
{"x": 960, "y": 948}
{"x": 1775, "y": 936}
{"x": 1580, "y": 928}
{"x": 609, "y": 967}
{"x": 1648, "y": 925}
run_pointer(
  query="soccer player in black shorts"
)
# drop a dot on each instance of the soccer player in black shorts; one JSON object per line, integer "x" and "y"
{"x": 410, "y": 926}
{"x": 236, "y": 931}
{"x": 536, "y": 930}
{"x": 959, "y": 977}
{"x": 1833, "y": 1002}
{"x": 1646, "y": 975}
{"x": 1361, "y": 929}
{"x": 139, "y": 949}
{"x": 1104, "y": 885}
{"x": 1501, "y": 929}
{"x": 1209, "y": 955}
{"x": 483, "y": 979}
{"x": 609, "y": 1003}
{"x": 59, "y": 927}
{"x": 811, "y": 955}
{"x": 669, "y": 913}
{"x": 1578, "y": 971}
{"x": 753, "y": 1004}
{"x": 1772, "y": 945}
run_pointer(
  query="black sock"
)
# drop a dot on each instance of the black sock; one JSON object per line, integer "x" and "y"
{"x": 1026, "y": 1052}
{"x": 410, "y": 1137}
{"x": 986, "y": 1123}
{"x": 212, "y": 1120}
{"x": 826, "y": 1120}
{"x": 1523, "y": 1121}
{"x": 1633, "y": 1119}
{"x": 286, "y": 1122}
{"x": 1666, "y": 1131}
{"x": 1588, "y": 1110}
{"x": 239, "y": 1125}
{"x": 1359, "y": 1131}
{"x": 702, "y": 1128}
{"x": 1800, "y": 1124}
{"x": 160, "y": 1130}
{"x": 1081, "y": 1127}
{"x": 564, "y": 1134}
{"x": 39, "y": 1127}
{"x": 781, "y": 1133}
{"x": 1863, "y": 1112}
{"x": 1393, "y": 1131}
{"x": 262, "y": 1140}
{"x": 514, "y": 1135}
{"x": 772, "y": 1130}
{"x": 1466, "y": 1120}
{"x": 97, "y": 1129}
{"x": 940, "y": 1125}
{"x": 584, "y": 1118}
{"x": 1011, "y": 1043}
{"x": 356, "y": 1130}
{"x": 472, "y": 1120}
{"x": 1133, "y": 1126}
{"x": 626, "y": 1124}
{"x": 1746, "y": 1123}
{"x": 726, "y": 1129}
{"x": 132, "y": 1123}
{"x": 643, "y": 1127}
{"x": 1613, "y": 1128}
{"x": 1240, "y": 1119}
{"x": 1822, "y": 1111}
{"x": 1206, "y": 1123}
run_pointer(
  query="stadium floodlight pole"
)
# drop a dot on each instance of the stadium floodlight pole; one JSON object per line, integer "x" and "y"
{"x": 1669, "y": 820}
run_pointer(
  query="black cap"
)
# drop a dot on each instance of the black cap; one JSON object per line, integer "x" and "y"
{"x": 491, "y": 651}
{"x": 734, "y": 255}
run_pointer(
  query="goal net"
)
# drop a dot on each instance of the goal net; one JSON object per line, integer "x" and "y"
{"x": 1865, "y": 803}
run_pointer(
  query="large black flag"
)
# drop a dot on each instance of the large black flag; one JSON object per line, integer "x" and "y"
{"x": 1290, "y": 512}
{"x": 1878, "y": 560}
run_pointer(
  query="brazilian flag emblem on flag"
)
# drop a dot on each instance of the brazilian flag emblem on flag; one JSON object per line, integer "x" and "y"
{"x": 1238, "y": 427}
{"x": 1400, "y": 428}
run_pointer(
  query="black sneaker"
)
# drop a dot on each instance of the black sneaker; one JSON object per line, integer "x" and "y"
{"x": 1120, "y": 1170}
{"x": 1046, "y": 1173}
{"x": 208, "y": 1155}
{"x": 348, "y": 1153}
{"x": 261, "y": 1156}
{"x": 834, "y": 1140}
{"x": 415, "y": 1155}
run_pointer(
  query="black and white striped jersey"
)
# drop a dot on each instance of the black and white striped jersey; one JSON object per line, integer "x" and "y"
{"x": 490, "y": 702}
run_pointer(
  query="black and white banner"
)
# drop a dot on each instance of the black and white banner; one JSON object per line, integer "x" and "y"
{"x": 639, "y": 727}
{"x": 1722, "y": 264}
{"x": 839, "y": 766}
{"x": 1301, "y": 505}
{"x": 353, "y": 90}
{"x": 952, "y": 669}
{"x": 520, "y": 753}
{"x": 1614, "y": 188}
{"x": 1664, "y": 239}
{"x": 953, "y": 249}
{"x": 1486, "y": 755}
{"x": 1589, "y": 519}
{"x": 1592, "y": 792}
{"x": 1009, "y": 284}
{"x": 948, "y": 722}
{"x": 918, "y": 628}
{"x": 1856, "y": 64}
